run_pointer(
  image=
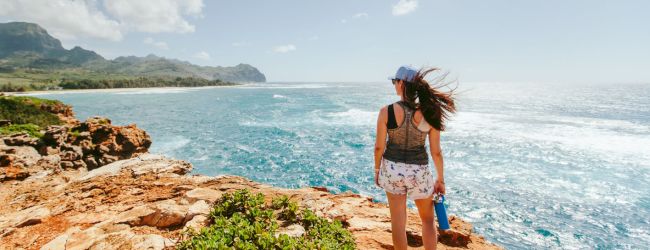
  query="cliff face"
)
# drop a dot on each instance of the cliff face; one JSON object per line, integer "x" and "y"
{"x": 148, "y": 200}
{"x": 135, "y": 200}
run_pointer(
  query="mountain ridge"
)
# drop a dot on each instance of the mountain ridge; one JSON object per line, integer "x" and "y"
{"x": 28, "y": 45}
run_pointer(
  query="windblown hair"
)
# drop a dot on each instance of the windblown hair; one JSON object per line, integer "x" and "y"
{"x": 436, "y": 105}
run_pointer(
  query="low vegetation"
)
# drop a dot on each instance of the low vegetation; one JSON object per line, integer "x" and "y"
{"x": 26, "y": 115}
{"x": 20, "y": 80}
{"x": 243, "y": 220}
{"x": 31, "y": 129}
{"x": 139, "y": 82}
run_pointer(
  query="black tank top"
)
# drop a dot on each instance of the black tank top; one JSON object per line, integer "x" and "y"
{"x": 405, "y": 142}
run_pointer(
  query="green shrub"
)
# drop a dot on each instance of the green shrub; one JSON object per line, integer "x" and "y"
{"x": 25, "y": 110}
{"x": 31, "y": 129}
{"x": 242, "y": 220}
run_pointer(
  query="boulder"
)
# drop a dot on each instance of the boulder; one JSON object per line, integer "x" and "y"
{"x": 107, "y": 159}
{"x": 205, "y": 194}
{"x": 199, "y": 208}
{"x": 69, "y": 156}
{"x": 21, "y": 139}
{"x": 168, "y": 214}
{"x": 55, "y": 135}
{"x": 86, "y": 145}
{"x": 66, "y": 164}
{"x": 134, "y": 216}
{"x": 142, "y": 164}
{"x": 48, "y": 150}
{"x": 162, "y": 214}
{"x": 79, "y": 164}
{"x": 197, "y": 222}
{"x": 90, "y": 161}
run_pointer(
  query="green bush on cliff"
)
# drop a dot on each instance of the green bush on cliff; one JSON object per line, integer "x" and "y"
{"x": 242, "y": 220}
{"x": 31, "y": 129}
{"x": 25, "y": 110}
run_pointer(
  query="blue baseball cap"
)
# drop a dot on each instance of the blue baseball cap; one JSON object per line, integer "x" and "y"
{"x": 406, "y": 73}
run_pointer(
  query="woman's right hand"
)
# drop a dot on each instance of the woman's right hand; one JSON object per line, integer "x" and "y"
{"x": 439, "y": 187}
{"x": 377, "y": 177}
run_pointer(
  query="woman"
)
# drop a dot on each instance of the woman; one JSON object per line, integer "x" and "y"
{"x": 401, "y": 164}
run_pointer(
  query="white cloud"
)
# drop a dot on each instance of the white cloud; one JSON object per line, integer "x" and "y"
{"x": 284, "y": 48}
{"x": 157, "y": 44}
{"x": 202, "y": 55}
{"x": 71, "y": 19}
{"x": 155, "y": 16}
{"x": 361, "y": 15}
{"x": 64, "y": 19}
{"x": 404, "y": 7}
{"x": 239, "y": 44}
{"x": 314, "y": 38}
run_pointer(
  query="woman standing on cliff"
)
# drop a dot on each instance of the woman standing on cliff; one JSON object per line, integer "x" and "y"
{"x": 401, "y": 164}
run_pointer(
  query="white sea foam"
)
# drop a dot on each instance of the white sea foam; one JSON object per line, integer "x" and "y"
{"x": 355, "y": 117}
{"x": 155, "y": 91}
{"x": 276, "y": 96}
{"x": 594, "y": 136}
{"x": 283, "y": 86}
{"x": 169, "y": 144}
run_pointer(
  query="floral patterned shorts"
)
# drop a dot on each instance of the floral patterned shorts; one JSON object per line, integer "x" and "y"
{"x": 401, "y": 178}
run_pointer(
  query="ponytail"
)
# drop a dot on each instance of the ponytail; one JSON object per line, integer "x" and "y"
{"x": 436, "y": 106}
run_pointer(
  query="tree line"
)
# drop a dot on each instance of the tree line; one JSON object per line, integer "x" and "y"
{"x": 138, "y": 82}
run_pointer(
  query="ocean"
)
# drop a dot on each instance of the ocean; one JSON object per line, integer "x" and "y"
{"x": 532, "y": 166}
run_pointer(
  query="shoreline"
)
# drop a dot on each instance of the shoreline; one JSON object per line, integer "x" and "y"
{"x": 110, "y": 90}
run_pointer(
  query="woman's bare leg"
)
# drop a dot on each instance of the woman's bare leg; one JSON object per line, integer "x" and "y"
{"x": 429, "y": 234}
{"x": 397, "y": 205}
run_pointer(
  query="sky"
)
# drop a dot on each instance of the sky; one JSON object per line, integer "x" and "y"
{"x": 538, "y": 41}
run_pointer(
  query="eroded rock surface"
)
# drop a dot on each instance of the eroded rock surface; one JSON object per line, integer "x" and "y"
{"x": 147, "y": 201}
{"x": 77, "y": 145}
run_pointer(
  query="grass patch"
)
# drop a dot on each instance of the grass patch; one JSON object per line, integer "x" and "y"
{"x": 242, "y": 220}
{"x": 25, "y": 110}
{"x": 31, "y": 129}
{"x": 75, "y": 133}
{"x": 35, "y": 100}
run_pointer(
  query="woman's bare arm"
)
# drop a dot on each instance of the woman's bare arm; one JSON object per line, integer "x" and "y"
{"x": 436, "y": 154}
{"x": 380, "y": 142}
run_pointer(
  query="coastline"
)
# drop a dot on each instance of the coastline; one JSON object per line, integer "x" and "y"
{"x": 111, "y": 90}
{"x": 99, "y": 187}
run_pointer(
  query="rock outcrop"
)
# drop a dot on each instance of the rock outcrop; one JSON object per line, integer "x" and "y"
{"x": 146, "y": 202}
{"x": 76, "y": 145}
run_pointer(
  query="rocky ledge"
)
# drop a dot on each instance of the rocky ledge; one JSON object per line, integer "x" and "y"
{"x": 147, "y": 201}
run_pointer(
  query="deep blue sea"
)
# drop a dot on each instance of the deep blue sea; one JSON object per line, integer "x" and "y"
{"x": 531, "y": 166}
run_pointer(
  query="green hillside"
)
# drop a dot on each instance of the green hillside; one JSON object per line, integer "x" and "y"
{"x": 31, "y": 59}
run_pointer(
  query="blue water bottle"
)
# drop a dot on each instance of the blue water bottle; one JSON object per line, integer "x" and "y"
{"x": 441, "y": 213}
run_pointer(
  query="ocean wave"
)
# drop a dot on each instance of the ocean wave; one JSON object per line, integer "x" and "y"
{"x": 283, "y": 86}
{"x": 169, "y": 144}
{"x": 154, "y": 91}
{"x": 354, "y": 117}
{"x": 595, "y": 136}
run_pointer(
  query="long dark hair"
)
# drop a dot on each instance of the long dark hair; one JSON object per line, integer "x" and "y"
{"x": 436, "y": 105}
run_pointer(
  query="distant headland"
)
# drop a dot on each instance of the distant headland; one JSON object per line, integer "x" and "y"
{"x": 31, "y": 59}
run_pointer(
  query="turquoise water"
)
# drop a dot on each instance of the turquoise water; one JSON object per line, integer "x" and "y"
{"x": 531, "y": 166}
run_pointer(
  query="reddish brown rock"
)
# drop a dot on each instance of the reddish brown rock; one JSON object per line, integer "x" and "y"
{"x": 147, "y": 202}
